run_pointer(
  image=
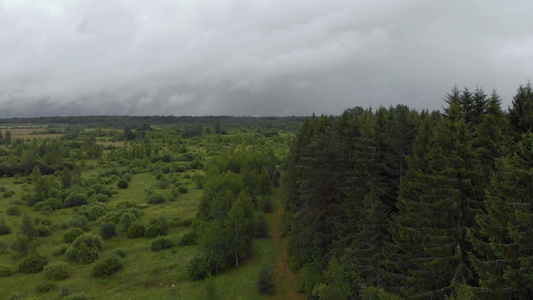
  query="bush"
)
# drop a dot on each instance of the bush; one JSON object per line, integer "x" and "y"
{"x": 126, "y": 219}
{"x": 57, "y": 270}
{"x": 45, "y": 287}
{"x": 33, "y": 263}
{"x": 72, "y": 234}
{"x": 177, "y": 222}
{"x": 182, "y": 189}
{"x": 95, "y": 211}
{"x": 135, "y": 230}
{"x": 108, "y": 230}
{"x": 4, "y": 229}
{"x": 107, "y": 266}
{"x": 122, "y": 184}
{"x": 85, "y": 248}
{"x": 75, "y": 199}
{"x": 189, "y": 239}
{"x": 80, "y": 221}
{"x": 265, "y": 281}
{"x": 163, "y": 183}
{"x": 161, "y": 243}
{"x": 199, "y": 267}
{"x": 43, "y": 231}
{"x": 13, "y": 210}
{"x": 119, "y": 253}
{"x": 102, "y": 198}
{"x": 4, "y": 247}
{"x": 155, "y": 199}
{"x": 261, "y": 227}
{"x": 157, "y": 227}
{"x": 6, "y": 271}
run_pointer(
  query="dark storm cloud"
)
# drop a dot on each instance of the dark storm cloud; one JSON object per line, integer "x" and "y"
{"x": 255, "y": 57}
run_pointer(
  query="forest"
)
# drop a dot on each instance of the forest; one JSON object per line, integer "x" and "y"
{"x": 395, "y": 203}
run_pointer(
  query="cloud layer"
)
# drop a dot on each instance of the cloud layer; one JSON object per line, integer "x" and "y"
{"x": 253, "y": 57}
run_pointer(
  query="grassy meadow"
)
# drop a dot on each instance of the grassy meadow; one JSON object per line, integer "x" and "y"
{"x": 157, "y": 162}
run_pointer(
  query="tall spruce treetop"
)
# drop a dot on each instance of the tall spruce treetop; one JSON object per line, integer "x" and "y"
{"x": 521, "y": 112}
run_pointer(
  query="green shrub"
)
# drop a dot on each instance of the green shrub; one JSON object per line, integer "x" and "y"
{"x": 56, "y": 270}
{"x": 102, "y": 198}
{"x": 17, "y": 295}
{"x": 261, "y": 227}
{"x": 54, "y": 203}
{"x": 122, "y": 184}
{"x": 85, "y": 248}
{"x": 265, "y": 281}
{"x": 177, "y": 222}
{"x": 13, "y": 210}
{"x": 72, "y": 234}
{"x": 45, "y": 287}
{"x": 108, "y": 230}
{"x": 107, "y": 266}
{"x": 125, "y": 205}
{"x": 161, "y": 243}
{"x": 4, "y": 247}
{"x": 33, "y": 263}
{"x": 163, "y": 183}
{"x": 135, "y": 230}
{"x": 157, "y": 227}
{"x": 189, "y": 239}
{"x": 95, "y": 211}
{"x": 4, "y": 229}
{"x": 43, "y": 231}
{"x": 6, "y": 271}
{"x": 182, "y": 189}
{"x": 119, "y": 253}
{"x": 155, "y": 198}
{"x": 75, "y": 199}
{"x": 199, "y": 267}
{"x": 80, "y": 221}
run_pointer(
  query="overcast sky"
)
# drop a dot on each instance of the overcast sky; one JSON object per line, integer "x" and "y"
{"x": 257, "y": 58}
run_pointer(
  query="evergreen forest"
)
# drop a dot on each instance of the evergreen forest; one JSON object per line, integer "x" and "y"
{"x": 393, "y": 203}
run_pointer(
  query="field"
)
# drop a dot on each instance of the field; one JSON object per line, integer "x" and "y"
{"x": 158, "y": 162}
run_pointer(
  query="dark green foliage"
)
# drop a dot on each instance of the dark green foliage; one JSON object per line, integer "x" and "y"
{"x": 46, "y": 287}
{"x": 95, "y": 211}
{"x": 17, "y": 295}
{"x": 13, "y": 210}
{"x": 199, "y": 267}
{"x": 261, "y": 227}
{"x": 521, "y": 112}
{"x": 33, "y": 263}
{"x": 42, "y": 231}
{"x": 163, "y": 183}
{"x": 108, "y": 230}
{"x": 4, "y": 247}
{"x": 157, "y": 227}
{"x": 265, "y": 281}
{"x": 27, "y": 228}
{"x": 126, "y": 219}
{"x": 56, "y": 271}
{"x": 189, "y": 239}
{"x": 22, "y": 245}
{"x": 72, "y": 234}
{"x": 107, "y": 266}
{"x": 155, "y": 199}
{"x": 6, "y": 271}
{"x": 4, "y": 229}
{"x": 85, "y": 248}
{"x": 65, "y": 290}
{"x": 103, "y": 198}
{"x": 122, "y": 184}
{"x": 119, "y": 253}
{"x": 182, "y": 189}
{"x": 136, "y": 230}
{"x": 75, "y": 199}
{"x": 161, "y": 243}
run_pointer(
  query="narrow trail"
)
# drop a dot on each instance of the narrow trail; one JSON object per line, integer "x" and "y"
{"x": 287, "y": 281}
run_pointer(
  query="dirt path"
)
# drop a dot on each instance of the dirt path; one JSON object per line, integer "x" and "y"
{"x": 287, "y": 282}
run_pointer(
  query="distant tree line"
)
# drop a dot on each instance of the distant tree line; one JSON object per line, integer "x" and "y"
{"x": 398, "y": 203}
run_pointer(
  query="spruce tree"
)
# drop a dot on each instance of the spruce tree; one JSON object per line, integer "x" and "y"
{"x": 521, "y": 111}
{"x": 504, "y": 249}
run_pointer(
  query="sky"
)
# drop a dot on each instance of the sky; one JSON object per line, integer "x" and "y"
{"x": 255, "y": 57}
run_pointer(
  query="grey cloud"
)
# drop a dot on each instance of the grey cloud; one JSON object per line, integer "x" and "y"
{"x": 255, "y": 57}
